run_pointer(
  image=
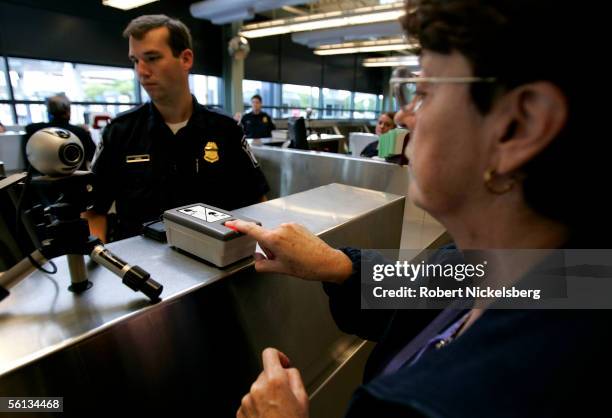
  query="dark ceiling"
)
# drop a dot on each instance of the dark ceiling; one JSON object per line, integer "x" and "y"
{"x": 88, "y": 32}
{"x": 95, "y": 10}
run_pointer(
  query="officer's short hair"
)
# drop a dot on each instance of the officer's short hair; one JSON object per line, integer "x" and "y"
{"x": 58, "y": 106}
{"x": 179, "y": 39}
{"x": 257, "y": 96}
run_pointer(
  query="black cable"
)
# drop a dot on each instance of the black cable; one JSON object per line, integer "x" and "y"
{"x": 18, "y": 226}
{"x": 18, "y": 215}
{"x": 41, "y": 268}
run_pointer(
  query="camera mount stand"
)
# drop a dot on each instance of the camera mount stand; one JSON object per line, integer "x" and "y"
{"x": 62, "y": 231}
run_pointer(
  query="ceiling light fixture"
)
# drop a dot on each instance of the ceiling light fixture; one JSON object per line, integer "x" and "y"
{"x": 126, "y": 4}
{"x": 360, "y": 16}
{"x": 394, "y": 44}
{"x": 396, "y": 61}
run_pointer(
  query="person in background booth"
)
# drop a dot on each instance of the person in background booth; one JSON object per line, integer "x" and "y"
{"x": 384, "y": 124}
{"x": 58, "y": 109}
{"x": 507, "y": 153}
{"x": 257, "y": 123}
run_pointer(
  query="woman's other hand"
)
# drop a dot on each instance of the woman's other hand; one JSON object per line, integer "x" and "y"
{"x": 278, "y": 392}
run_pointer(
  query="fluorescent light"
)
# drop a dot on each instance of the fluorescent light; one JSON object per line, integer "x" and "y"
{"x": 372, "y": 14}
{"x": 394, "y": 44}
{"x": 408, "y": 60}
{"x": 126, "y": 4}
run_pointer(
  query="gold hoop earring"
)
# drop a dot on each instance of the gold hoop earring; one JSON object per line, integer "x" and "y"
{"x": 489, "y": 178}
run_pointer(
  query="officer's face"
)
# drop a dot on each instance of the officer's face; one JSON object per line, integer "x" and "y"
{"x": 256, "y": 104}
{"x": 162, "y": 75}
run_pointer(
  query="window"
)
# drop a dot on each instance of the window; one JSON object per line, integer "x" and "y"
{"x": 104, "y": 84}
{"x": 325, "y": 103}
{"x": 91, "y": 89}
{"x": 4, "y": 93}
{"x": 96, "y": 88}
{"x": 336, "y": 104}
{"x": 143, "y": 94}
{"x": 249, "y": 89}
{"x": 296, "y": 99}
{"x": 269, "y": 92}
{"x": 206, "y": 89}
{"x": 36, "y": 79}
{"x": 214, "y": 90}
{"x": 315, "y": 103}
{"x": 198, "y": 84}
{"x": 365, "y": 106}
{"x": 6, "y": 115}
{"x": 32, "y": 113}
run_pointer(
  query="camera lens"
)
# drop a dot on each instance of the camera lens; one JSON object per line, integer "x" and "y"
{"x": 71, "y": 154}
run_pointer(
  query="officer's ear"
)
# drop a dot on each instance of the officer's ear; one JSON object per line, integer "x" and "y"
{"x": 186, "y": 59}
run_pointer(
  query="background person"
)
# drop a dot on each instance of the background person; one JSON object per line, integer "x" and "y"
{"x": 384, "y": 124}
{"x": 58, "y": 109}
{"x": 257, "y": 123}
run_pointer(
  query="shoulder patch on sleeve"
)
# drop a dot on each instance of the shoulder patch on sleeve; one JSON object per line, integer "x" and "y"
{"x": 249, "y": 152}
{"x": 99, "y": 149}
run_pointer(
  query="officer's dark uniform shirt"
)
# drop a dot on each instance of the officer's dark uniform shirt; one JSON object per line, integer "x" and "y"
{"x": 146, "y": 169}
{"x": 257, "y": 125}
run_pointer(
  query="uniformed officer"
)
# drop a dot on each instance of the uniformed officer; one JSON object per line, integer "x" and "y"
{"x": 170, "y": 151}
{"x": 256, "y": 123}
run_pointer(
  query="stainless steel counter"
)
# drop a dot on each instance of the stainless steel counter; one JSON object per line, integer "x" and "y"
{"x": 291, "y": 171}
{"x": 201, "y": 344}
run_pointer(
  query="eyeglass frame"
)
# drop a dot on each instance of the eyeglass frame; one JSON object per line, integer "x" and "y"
{"x": 396, "y": 82}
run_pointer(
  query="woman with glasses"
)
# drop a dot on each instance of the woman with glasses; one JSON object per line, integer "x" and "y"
{"x": 507, "y": 152}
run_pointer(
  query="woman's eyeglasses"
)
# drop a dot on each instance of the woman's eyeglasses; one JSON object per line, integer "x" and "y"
{"x": 405, "y": 86}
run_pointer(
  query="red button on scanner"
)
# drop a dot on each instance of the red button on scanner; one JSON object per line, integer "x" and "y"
{"x": 233, "y": 228}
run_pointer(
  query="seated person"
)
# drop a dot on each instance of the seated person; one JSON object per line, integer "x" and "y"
{"x": 58, "y": 109}
{"x": 385, "y": 124}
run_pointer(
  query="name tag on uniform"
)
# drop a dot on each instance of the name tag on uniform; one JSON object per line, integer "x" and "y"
{"x": 142, "y": 158}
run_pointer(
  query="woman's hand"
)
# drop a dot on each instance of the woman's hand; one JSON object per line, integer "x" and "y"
{"x": 278, "y": 392}
{"x": 292, "y": 249}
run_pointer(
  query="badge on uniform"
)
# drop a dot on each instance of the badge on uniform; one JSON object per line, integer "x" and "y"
{"x": 265, "y": 119}
{"x": 211, "y": 152}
